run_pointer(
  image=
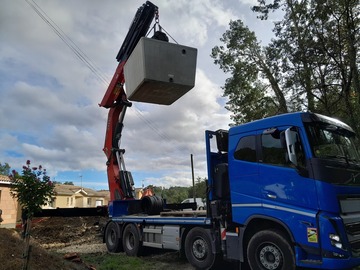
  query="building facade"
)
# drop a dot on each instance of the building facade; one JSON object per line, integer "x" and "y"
{"x": 9, "y": 205}
{"x": 69, "y": 196}
{"x": 66, "y": 196}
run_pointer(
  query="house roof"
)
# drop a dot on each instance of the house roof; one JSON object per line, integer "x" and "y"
{"x": 4, "y": 179}
{"x": 72, "y": 190}
{"x": 105, "y": 193}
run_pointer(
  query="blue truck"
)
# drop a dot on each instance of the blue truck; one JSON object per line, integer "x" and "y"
{"x": 283, "y": 192}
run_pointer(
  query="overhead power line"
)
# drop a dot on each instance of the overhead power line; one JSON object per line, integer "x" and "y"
{"x": 87, "y": 61}
{"x": 68, "y": 41}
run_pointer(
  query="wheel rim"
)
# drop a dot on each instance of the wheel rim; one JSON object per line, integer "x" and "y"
{"x": 112, "y": 237}
{"x": 270, "y": 256}
{"x": 130, "y": 241}
{"x": 199, "y": 249}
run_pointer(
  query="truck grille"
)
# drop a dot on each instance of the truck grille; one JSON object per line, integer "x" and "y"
{"x": 353, "y": 228}
{"x": 350, "y": 208}
{"x": 355, "y": 248}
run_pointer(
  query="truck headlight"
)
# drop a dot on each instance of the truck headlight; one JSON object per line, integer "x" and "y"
{"x": 335, "y": 240}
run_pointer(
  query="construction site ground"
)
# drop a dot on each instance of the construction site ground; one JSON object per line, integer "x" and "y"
{"x": 73, "y": 243}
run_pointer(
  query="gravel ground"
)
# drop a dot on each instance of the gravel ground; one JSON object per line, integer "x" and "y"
{"x": 83, "y": 249}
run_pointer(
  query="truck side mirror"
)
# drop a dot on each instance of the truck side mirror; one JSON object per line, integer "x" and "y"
{"x": 292, "y": 139}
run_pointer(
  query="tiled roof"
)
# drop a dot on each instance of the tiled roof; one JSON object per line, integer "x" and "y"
{"x": 104, "y": 193}
{"x": 71, "y": 190}
{"x": 4, "y": 179}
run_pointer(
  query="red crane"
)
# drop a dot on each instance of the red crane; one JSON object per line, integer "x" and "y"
{"x": 120, "y": 180}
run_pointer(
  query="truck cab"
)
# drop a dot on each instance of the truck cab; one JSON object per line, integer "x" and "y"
{"x": 290, "y": 187}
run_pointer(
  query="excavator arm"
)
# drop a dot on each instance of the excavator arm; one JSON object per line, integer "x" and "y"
{"x": 120, "y": 181}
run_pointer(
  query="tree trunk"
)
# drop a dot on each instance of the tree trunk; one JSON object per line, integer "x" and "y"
{"x": 27, "y": 249}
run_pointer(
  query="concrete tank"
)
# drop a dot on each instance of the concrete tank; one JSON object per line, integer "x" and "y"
{"x": 159, "y": 72}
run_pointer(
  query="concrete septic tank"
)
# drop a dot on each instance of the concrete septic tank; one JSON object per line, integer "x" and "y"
{"x": 159, "y": 72}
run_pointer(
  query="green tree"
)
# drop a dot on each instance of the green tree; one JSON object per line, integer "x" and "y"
{"x": 68, "y": 183}
{"x": 313, "y": 61}
{"x": 200, "y": 189}
{"x": 5, "y": 169}
{"x": 318, "y": 41}
{"x": 336, "y": 24}
{"x": 57, "y": 183}
{"x": 32, "y": 189}
{"x": 173, "y": 194}
{"x": 253, "y": 90}
{"x": 176, "y": 194}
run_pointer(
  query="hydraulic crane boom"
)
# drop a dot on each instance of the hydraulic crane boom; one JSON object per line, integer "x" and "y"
{"x": 115, "y": 99}
{"x": 138, "y": 28}
{"x": 172, "y": 77}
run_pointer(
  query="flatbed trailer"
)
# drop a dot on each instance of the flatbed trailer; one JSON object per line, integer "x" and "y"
{"x": 187, "y": 231}
{"x": 171, "y": 218}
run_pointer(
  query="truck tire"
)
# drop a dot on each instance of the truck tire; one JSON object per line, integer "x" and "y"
{"x": 269, "y": 249}
{"x": 131, "y": 240}
{"x": 112, "y": 238}
{"x": 198, "y": 249}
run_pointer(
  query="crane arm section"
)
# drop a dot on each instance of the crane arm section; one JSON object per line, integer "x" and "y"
{"x": 115, "y": 99}
{"x": 138, "y": 29}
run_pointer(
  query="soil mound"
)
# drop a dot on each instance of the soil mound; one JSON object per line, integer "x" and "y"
{"x": 12, "y": 249}
{"x": 56, "y": 232}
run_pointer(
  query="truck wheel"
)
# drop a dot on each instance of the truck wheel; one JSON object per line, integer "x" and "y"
{"x": 269, "y": 249}
{"x": 112, "y": 238}
{"x": 198, "y": 249}
{"x": 131, "y": 240}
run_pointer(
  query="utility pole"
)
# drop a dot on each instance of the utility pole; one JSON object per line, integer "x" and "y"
{"x": 81, "y": 181}
{"x": 193, "y": 178}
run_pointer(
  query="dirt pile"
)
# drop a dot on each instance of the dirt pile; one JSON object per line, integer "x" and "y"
{"x": 54, "y": 232}
{"x": 55, "y": 238}
{"x": 11, "y": 255}
{"x": 48, "y": 234}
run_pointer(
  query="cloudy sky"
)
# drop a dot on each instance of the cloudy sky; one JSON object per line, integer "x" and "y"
{"x": 49, "y": 98}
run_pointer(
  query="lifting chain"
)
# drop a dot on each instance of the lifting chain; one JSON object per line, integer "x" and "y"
{"x": 159, "y": 34}
{"x": 157, "y": 21}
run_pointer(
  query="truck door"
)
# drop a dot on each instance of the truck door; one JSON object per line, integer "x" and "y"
{"x": 285, "y": 192}
{"x": 243, "y": 174}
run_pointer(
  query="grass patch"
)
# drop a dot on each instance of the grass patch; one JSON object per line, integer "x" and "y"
{"x": 152, "y": 261}
{"x": 117, "y": 261}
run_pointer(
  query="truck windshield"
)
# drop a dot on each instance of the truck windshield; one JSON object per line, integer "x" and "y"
{"x": 332, "y": 142}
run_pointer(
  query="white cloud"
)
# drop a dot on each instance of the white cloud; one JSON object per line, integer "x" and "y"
{"x": 250, "y": 3}
{"x": 49, "y": 98}
{"x": 175, "y": 131}
{"x": 195, "y": 20}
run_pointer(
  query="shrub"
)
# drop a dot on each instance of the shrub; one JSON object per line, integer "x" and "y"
{"x": 32, "y": 189}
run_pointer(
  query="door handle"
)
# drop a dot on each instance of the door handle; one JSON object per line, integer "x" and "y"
{"x": 271, "y": 196}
